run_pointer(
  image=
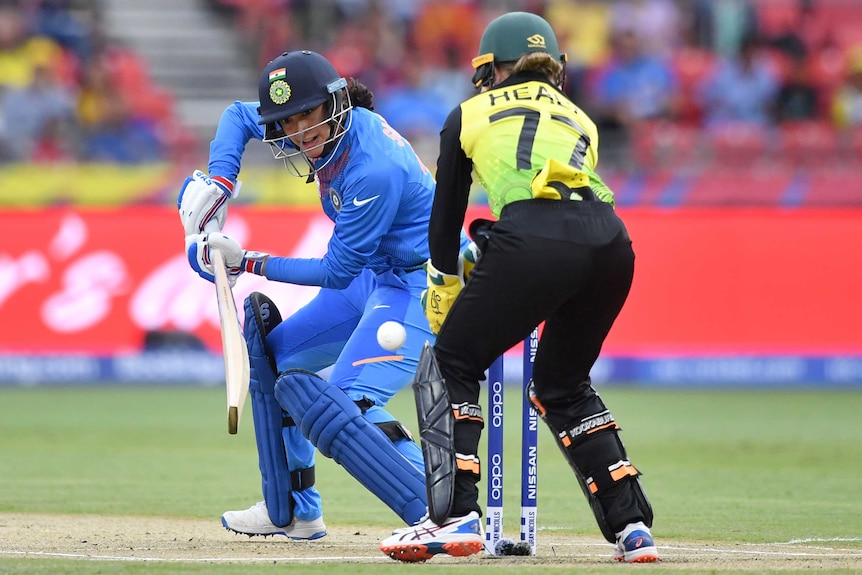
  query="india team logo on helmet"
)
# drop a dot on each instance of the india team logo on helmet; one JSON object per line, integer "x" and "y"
{"x": 279, "y": 92}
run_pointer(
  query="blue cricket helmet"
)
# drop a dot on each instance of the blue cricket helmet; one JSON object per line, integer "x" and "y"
{"x": 293, "y": 83}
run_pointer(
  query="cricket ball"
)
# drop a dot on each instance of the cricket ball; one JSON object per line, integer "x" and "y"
{"x": 391, "y": 335}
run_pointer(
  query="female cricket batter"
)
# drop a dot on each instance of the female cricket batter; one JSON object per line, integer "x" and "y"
{"x": 558, "y": 254}
{"x": 379, "y": 194}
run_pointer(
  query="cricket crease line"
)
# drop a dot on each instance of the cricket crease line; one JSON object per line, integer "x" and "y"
{"x": 821, "y": 540}
{"x": 803, "y": 540}
{"x": 802, "y": 552}
{"x": 714, "y": 550}
{"x": 197, "y": 559}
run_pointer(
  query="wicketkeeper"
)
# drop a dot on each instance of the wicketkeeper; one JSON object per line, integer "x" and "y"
{"x": 557, "y": 254}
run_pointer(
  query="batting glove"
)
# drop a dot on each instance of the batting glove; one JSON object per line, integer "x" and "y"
{"x": 237, "y": 260}
{"x": 202, "y": 202}
{"x": 437, "y": 300}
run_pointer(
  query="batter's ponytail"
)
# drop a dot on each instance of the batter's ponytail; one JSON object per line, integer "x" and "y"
{"x": 360, "y": 95}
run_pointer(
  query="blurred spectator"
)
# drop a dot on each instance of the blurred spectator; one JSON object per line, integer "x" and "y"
{"x": 656, "y": 23}
{"x": 691, "y": 64}
{"x": 353, "y": 54}
{"x": 412, "y": 107}
{"x": 742, "y": 89}
{"x": 847, "y": 102}
{"x": 351, "y": 9}
{"x": 712, "y": 73}
{"x": 798, "y": 97}
{"x": 69, "y": 22}
{"x": 402, "y": 12}
{"x": 788, "y": 39}
{"x": 447, "y": 25}
{"x": 57, "y": 143}
{"x": 387, "y": 45}
{"x": 634, "y": 86}
{"x": 96, "y": 89}
{"x": 20, "y": 52}
{"x": 118, "y": 137}
{"x": 116, "y": 71}
{"x": 32, "y": 113}
{"x": 583, "y": 30}
{"x": 450, "y": 83}
{"x": 276, "y": 29}
{"x": 721, "y": 25}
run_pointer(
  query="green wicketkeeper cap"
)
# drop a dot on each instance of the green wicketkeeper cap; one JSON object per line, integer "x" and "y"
{"x": 510, "y": 36}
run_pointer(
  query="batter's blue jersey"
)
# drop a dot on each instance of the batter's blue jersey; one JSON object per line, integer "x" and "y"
{"x": 372, "y": 185}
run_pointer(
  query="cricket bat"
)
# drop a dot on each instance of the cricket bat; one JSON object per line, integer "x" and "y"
{"x": 236, "y": 366}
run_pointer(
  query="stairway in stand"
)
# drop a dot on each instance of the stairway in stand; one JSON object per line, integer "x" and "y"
{"x": 191, "y": 52}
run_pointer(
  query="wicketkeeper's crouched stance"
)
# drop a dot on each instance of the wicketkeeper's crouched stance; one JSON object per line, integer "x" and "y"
{"x": 557, "y": 254}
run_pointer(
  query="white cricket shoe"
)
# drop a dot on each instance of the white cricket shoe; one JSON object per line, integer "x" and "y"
{"x": 255, "y": 521}
{"x": 635, "y": 544}
{"x": 398, "y": 530}
{"x": 457, "y": 536}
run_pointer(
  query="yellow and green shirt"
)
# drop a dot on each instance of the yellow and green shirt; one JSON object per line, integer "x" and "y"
{"x": 506, "y": 135}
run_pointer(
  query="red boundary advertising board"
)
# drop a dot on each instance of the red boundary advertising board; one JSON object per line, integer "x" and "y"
{"x": 711, "y": 281}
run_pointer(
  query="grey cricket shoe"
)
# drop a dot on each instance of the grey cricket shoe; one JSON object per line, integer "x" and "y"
{"x": 635, "y": 544}
{"x": 255, "y": 521}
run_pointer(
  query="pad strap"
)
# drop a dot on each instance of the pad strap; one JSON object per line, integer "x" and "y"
{"x": 604, "y": 478}
{"x": 588, "y": 427}
{"x": 302, "y": 478}
{"x": 468, "y": 412}
{"x": 395, "y": 431}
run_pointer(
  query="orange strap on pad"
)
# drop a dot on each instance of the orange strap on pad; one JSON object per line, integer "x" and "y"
{"x": 604, "y": 478}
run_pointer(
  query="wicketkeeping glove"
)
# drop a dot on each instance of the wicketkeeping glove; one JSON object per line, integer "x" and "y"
{"x": 202, "y": 202}
{"x": 468, "y": 260}
{"x": 442, "y": 291}
{"x": 237, "y": 260}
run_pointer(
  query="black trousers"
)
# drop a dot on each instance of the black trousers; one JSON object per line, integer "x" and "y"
{"x": 569, "y": 264}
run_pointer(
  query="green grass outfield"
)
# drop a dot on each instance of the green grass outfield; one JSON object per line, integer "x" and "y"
{"x": 735, "y": 467}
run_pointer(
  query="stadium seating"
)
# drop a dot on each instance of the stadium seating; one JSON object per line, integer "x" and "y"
{"x": 669, "y": 162}
{"x": 808, "y": 144}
